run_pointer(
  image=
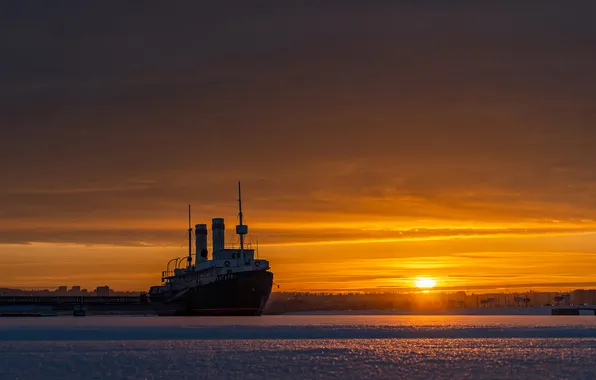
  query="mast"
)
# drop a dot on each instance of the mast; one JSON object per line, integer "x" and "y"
{"x": 240, "y": 217}
{"x": 241, "y": 229}
{"x": 189, "y": 258}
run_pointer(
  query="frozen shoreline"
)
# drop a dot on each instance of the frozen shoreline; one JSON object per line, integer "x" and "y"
{"x": 517, "y": 311}
{"x": 540, "y": 310}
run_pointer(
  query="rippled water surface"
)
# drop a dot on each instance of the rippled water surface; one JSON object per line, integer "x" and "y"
{"x": 299, "y": 347}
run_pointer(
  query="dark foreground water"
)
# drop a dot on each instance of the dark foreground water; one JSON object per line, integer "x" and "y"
{"x": 299, "y": 347}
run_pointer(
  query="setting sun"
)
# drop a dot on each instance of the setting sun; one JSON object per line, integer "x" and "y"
{"x": 425, "y": 283}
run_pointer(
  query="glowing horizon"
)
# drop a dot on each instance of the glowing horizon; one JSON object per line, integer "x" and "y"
{"x": 340, "y": 269}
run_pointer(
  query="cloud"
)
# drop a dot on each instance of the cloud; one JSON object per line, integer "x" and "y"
{"x": 524, "y": 287}
{"x": 275, "y": 238}
{"x": 131, "y": 185}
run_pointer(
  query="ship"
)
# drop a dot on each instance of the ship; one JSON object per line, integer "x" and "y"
{"x": 233, "y": 282}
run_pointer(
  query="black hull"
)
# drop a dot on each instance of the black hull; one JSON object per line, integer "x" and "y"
{"x": 244, "y": 294}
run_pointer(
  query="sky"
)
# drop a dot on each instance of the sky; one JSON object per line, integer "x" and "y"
{"x": 376, "y": 141}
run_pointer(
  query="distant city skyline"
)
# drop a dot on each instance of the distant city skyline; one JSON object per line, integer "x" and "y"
{"x": 104, "y": 290}
{"x": 420, "y": 300}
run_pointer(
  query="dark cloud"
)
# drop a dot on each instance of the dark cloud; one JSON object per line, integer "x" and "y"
{"x": 458, "y": 112}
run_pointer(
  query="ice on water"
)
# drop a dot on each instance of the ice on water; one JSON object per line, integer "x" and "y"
{"x": 299, "y": 347}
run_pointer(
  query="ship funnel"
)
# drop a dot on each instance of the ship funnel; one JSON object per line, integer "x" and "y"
{"x": 218, "y": 227}
{"x": 201, "y": 240}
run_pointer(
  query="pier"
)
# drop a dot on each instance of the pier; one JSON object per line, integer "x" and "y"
{"x": 71, "y": 300}
{"x": 574, "y": 310}
{"x": 78, "y": 305}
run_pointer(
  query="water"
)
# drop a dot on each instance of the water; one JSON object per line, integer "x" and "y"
{"x": 299, "y": 347}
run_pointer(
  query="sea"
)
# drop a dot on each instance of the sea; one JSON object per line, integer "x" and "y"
{"x": 299, "y": 347}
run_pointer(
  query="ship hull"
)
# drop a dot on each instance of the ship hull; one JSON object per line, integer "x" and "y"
{"x": 243, "y": 294}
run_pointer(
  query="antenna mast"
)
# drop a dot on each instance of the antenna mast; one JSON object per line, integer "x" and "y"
{"x": 240, "y": 217}
{"x": 189, "y": 258}
{"x": 241, "y": 229}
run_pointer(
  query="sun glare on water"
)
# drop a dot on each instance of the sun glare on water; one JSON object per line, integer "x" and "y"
{"x": 425, "y": 283}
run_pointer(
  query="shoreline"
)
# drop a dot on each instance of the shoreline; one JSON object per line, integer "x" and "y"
{"x": 513, "y": 311}
{"x": 501, "y": 311}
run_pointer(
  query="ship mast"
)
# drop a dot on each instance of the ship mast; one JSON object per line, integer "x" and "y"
{"x": 241, "y": 231}
{"x": 189, "y": 258}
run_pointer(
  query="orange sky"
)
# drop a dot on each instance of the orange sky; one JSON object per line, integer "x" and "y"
{"x": 375, "y": 142}
{"x": 472, "y": 259}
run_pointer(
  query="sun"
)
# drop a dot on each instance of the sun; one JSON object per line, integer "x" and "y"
{"x": 425, "y": 283}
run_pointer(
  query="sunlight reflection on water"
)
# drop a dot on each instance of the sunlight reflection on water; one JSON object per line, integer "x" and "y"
{"x": 298, "y": 347}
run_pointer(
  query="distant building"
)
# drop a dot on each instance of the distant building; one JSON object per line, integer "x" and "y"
{"x": 103, "y": 291}
{"x": 583, "y": 297}
{"x": 62, "y": 289}
{"x": 75, "y": 289}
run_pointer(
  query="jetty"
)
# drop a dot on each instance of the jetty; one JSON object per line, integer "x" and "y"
{"x": 574, "y": 310}
{"x": 78, "y": 305}
{"x": 71, "y": 300}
